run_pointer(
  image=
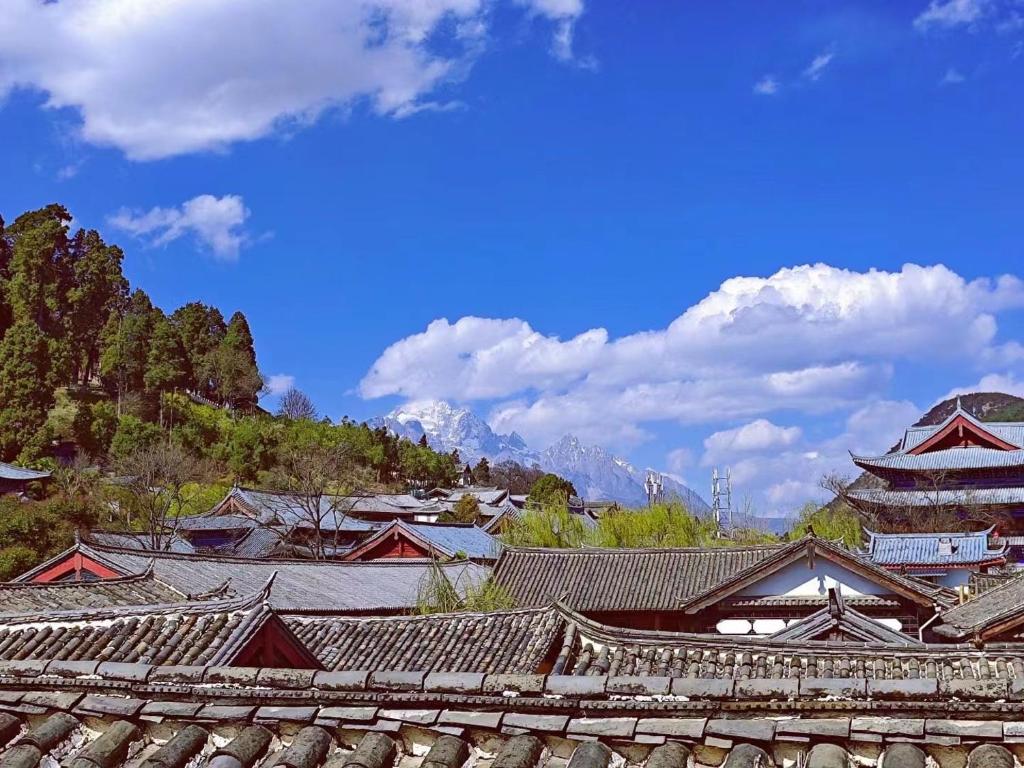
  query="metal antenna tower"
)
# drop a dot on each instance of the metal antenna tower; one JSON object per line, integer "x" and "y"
{"x": 721, "y": 498}
{"x": 654, "y": 485}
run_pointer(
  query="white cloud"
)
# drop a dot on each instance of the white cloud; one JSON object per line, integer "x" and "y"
{"x": 992, "y": 382}
{"x": 215, "y": 222}
{"x": 952, "y": 77}
{"x": 813, "y": 339}
{"x": 159, "y": 79}
{"x": 766, "y": 86}
{"x": 950, "y": 13}
{"x": 781, "y": 478}
{"x": 755, "y": 436}
{"x": 564, "y": 13}
{"x": 280, "y": 383}
{"x": 679, "y": 460}
{"x": 818, "y": 65}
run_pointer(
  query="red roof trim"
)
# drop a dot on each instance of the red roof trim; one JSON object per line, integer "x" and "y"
{"x": 961, "y": 422}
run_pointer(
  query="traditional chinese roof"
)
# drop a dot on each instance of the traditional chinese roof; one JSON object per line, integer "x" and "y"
{"x": 214, "y": 522}
{"x": 947, "y": 459}
{"x": 808, "y": 548}
{"x": 485, "y": 494}
{"x": 442, "y": 539}
{"x": 137, "y": 589}
{"x": 142, "y": 542}
{"x": 302, "y": 585}
{"x": 212, "y": 632}
{"x": 840, "y": 622}
{"x": 619, "y": 579}
{"x": 944, "y": 497}
{"x": 302, "y": 719}
{"x": 983, "y": 582}
{"x": 510, "y": 642}
{"x": 14, "y": 473}
{"x": 894, "y": 550}
{"x": 1009, "y": 435}
{"x": 995, "y": 612}
{"x": 267, "y": 507}
{"x": 961, "y": 442}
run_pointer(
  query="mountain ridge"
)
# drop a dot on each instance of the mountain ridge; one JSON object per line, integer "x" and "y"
{"x": 595, "y": 472}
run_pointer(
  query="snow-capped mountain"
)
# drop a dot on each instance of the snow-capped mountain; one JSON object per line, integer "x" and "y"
{"x": 449, "y": 428}
{"x": 597, "y": 474}
{"x": 594, "y": 472}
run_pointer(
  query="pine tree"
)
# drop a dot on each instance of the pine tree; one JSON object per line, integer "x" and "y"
{"x": 236, "y": 376}
{"x": 125, "y": 346}
{"x": 97, "y": 287}
{"x": 482, "y": 472}
{"x": 423, "y": 441}
{"x": 24, "y": 387}
{"x": 5, "y": 276}
{"x": 202, "y": 329}
{"x": 166, "y": 363}
{"x": 38, "y": 255}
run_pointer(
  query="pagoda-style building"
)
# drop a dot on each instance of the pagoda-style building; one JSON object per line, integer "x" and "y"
{"x": 971, "y": 468}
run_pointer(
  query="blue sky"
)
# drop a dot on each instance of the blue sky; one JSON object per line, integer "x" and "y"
{"x": 350, "y": 174}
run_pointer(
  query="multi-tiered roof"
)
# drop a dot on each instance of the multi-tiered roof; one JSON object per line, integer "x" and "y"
{"x": 960, "y": 463}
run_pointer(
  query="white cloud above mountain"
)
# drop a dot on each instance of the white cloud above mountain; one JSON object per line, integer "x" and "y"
{"x": 754, "y": 363}
{"x": 161, "y": 79}
{"x": 755, "y": 436}
{"x": 812, "y": 338}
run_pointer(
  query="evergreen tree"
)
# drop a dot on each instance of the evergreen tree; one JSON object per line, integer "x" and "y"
{"x": 236, "y": 376}
{"x": 96, "y": 288}
{"x": 25, "y": 389}
{"x": 39, "y": 253}
{"x": 125, "y": 346}
{"x": 166, "y": 363}
{"x": 202, "y": 329}
{"x": 423, "y": 441}
{"x": 482, "y": 472}
{"x": 551, "y": 490}
{"x": 5, "y": 278}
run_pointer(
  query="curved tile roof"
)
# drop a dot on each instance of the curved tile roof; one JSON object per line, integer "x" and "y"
{"x": 896, "y": 549}
{"x": 507, "y": 642}
{"x": 946, "y": 459}
{"x": 619, "y": 579}
{"x": 302, "y": 585}
{"x": 139, "y": 589}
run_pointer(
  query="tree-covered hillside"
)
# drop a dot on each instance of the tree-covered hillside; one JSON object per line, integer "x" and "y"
{"x": 71, "y": 324}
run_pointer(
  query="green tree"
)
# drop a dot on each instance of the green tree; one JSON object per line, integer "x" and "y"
{"x": 26, "y": 390}
{"x": 97, "y": 287}
{"x": 134, "y": 436}
{"x": 166, "y": 363}
{"x": 836, "y": 522}
{"x": 661, "y": 525}
{"x": 125, "y": 347}
{"x": 39, "y": 253}
{"x": 201, "y": 328}
{"x": 6, "y": 246}
{"x": 482, "y": 472}
{"x": 236, "y": 376}
{"x": 465, "y": 510}
{"x": 551, "y": 489}
{"x": 551, "y": 525}
{"x": 93, "y": 427}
